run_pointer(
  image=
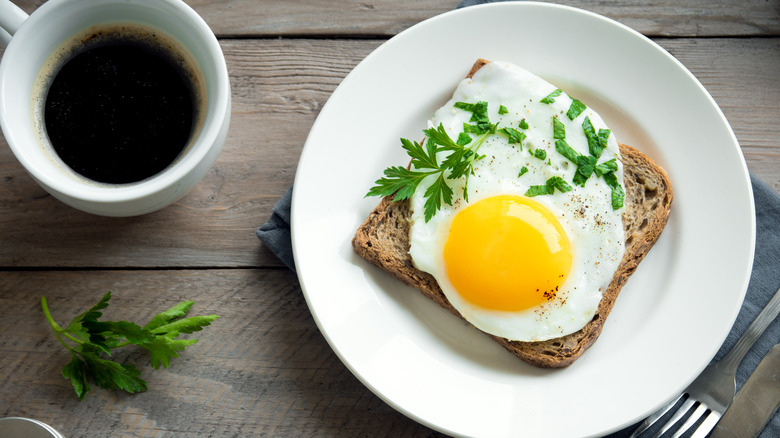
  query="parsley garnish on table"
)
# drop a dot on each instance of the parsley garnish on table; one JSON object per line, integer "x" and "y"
{"x": 90, "y": 343}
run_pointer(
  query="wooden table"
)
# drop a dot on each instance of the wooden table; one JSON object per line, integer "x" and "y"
{"x": 264, "y": 369}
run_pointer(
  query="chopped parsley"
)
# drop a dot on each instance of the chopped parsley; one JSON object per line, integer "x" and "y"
{"x": 539, "y": 153}
{"x": 550, "y": 98}
{"x": 596, "y": 142}
{"x": 587, "y": 164}
{"x": 618, "y": 194}
{"x": 479, "y": 121}
{"x": 462, "y": 154}
{"x": 559, "y": 130}
{"x": 575, "y": 109}
{"x": 513, "y": 135}
{"x": 567, "y": 151}
{"x": 606, "y": 167}
{"x": 553, "y": 183}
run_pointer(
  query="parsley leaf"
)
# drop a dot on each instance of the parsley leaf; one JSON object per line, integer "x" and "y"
{"x": 185, "y": 325}
{"x": 108, "y": 374}
{"x": 402, "y": 181}
{"x": 523, "y": 171}
{"x": 165, "y": 347}
{"x": 399, "y": 180}
{"x": 603, "y": 136}
{"x": 460, "y": 162}
{"x": 559, "y": 130}
{"x": 559, "y": 183}
{"x": 553, "y": 183}
{"x": 607, "y": 166}
{"x": 422, "y": 158}
{"x": 434, "y": 194}
{"x": 439, "y": 136}
{"x": 539, "y": 153}
{"x": 478, "y": 111}
{"x": 595, "y": 142}
{"x": 618, "y": 197}
{"x": 479, "y": 118}
{"x": 502, "y": 110}
{"x": 76, "y": 371}
{"x": 479, "y": 128}
{"x": 523, "y": 124}
{"x": 567, "y": 151}
{"x": 539, "y": 190}
{"x": 88, "y": 339}
{"x": 618, "y": 194}
{"x": 585, "y": 167}
{"x": 587, "y": 164}
{"x": 464, "y": 139}
{"x": 174, "y": 313}
{"x": 575, "y": 109}
{"x": 513, "y": 135}
{"x": 550, "y": 98}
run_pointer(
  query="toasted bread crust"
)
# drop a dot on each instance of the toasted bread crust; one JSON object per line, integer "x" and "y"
{"x": 383, "y": 240}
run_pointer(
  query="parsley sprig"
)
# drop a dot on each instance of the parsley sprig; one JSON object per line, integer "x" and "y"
{"x": 91, "y": 341}
{"x": 459, "y": 163}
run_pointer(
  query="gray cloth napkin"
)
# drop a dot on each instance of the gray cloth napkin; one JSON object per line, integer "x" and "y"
{"x": 764, "y": 281}
{"x": 275, "y": 234}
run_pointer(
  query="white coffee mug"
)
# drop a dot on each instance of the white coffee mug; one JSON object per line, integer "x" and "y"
{"x": 33, "y": 39}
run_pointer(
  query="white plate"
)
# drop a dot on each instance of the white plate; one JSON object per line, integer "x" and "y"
{"x": 672, "y": 315}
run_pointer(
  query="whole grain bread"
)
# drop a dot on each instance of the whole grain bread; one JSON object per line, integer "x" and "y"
{"x": 383, "y": 240}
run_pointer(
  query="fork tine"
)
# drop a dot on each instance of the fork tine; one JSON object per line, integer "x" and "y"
{"x": 677, "y": 415}
{"x": 707, "y": 425}
{"x": 700, "y": 410}
{"x": 649, "y": 421}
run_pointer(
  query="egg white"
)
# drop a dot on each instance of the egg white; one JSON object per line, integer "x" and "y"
{"x": 594, "y": 229}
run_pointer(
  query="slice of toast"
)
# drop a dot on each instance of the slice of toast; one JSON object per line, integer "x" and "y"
{"x": 384, "y": 241}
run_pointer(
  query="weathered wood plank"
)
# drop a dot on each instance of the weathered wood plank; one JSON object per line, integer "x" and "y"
{"x": 388, "y": 17}
{"x": 741, "y": 75}
{"x": 262, "y": 369}
{"x": 279, "y": 87}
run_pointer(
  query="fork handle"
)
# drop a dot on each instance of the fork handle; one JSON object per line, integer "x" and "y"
{"x": 734, "y": 357}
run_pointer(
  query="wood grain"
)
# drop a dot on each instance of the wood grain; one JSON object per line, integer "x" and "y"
{"x": 253, "y": 18}
{"x": 279, "y": 87}
{"x": 262, "y": 369}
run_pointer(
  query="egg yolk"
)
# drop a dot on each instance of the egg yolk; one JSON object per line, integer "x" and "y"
{"x": 507, "y": 253}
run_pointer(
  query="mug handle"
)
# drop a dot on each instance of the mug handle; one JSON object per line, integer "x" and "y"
{"x": 11, "y": 17}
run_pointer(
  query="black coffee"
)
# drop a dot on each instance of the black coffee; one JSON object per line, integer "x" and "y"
{"x": 120, "y": 111}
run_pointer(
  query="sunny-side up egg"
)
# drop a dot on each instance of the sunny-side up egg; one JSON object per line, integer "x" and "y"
{"x": 515, "y": 263}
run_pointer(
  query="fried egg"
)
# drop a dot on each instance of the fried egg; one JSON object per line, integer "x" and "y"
{"x": 517, "y": 256}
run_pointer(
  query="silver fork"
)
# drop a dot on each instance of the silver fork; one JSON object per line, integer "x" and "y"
{"x": 712, "y": 392}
